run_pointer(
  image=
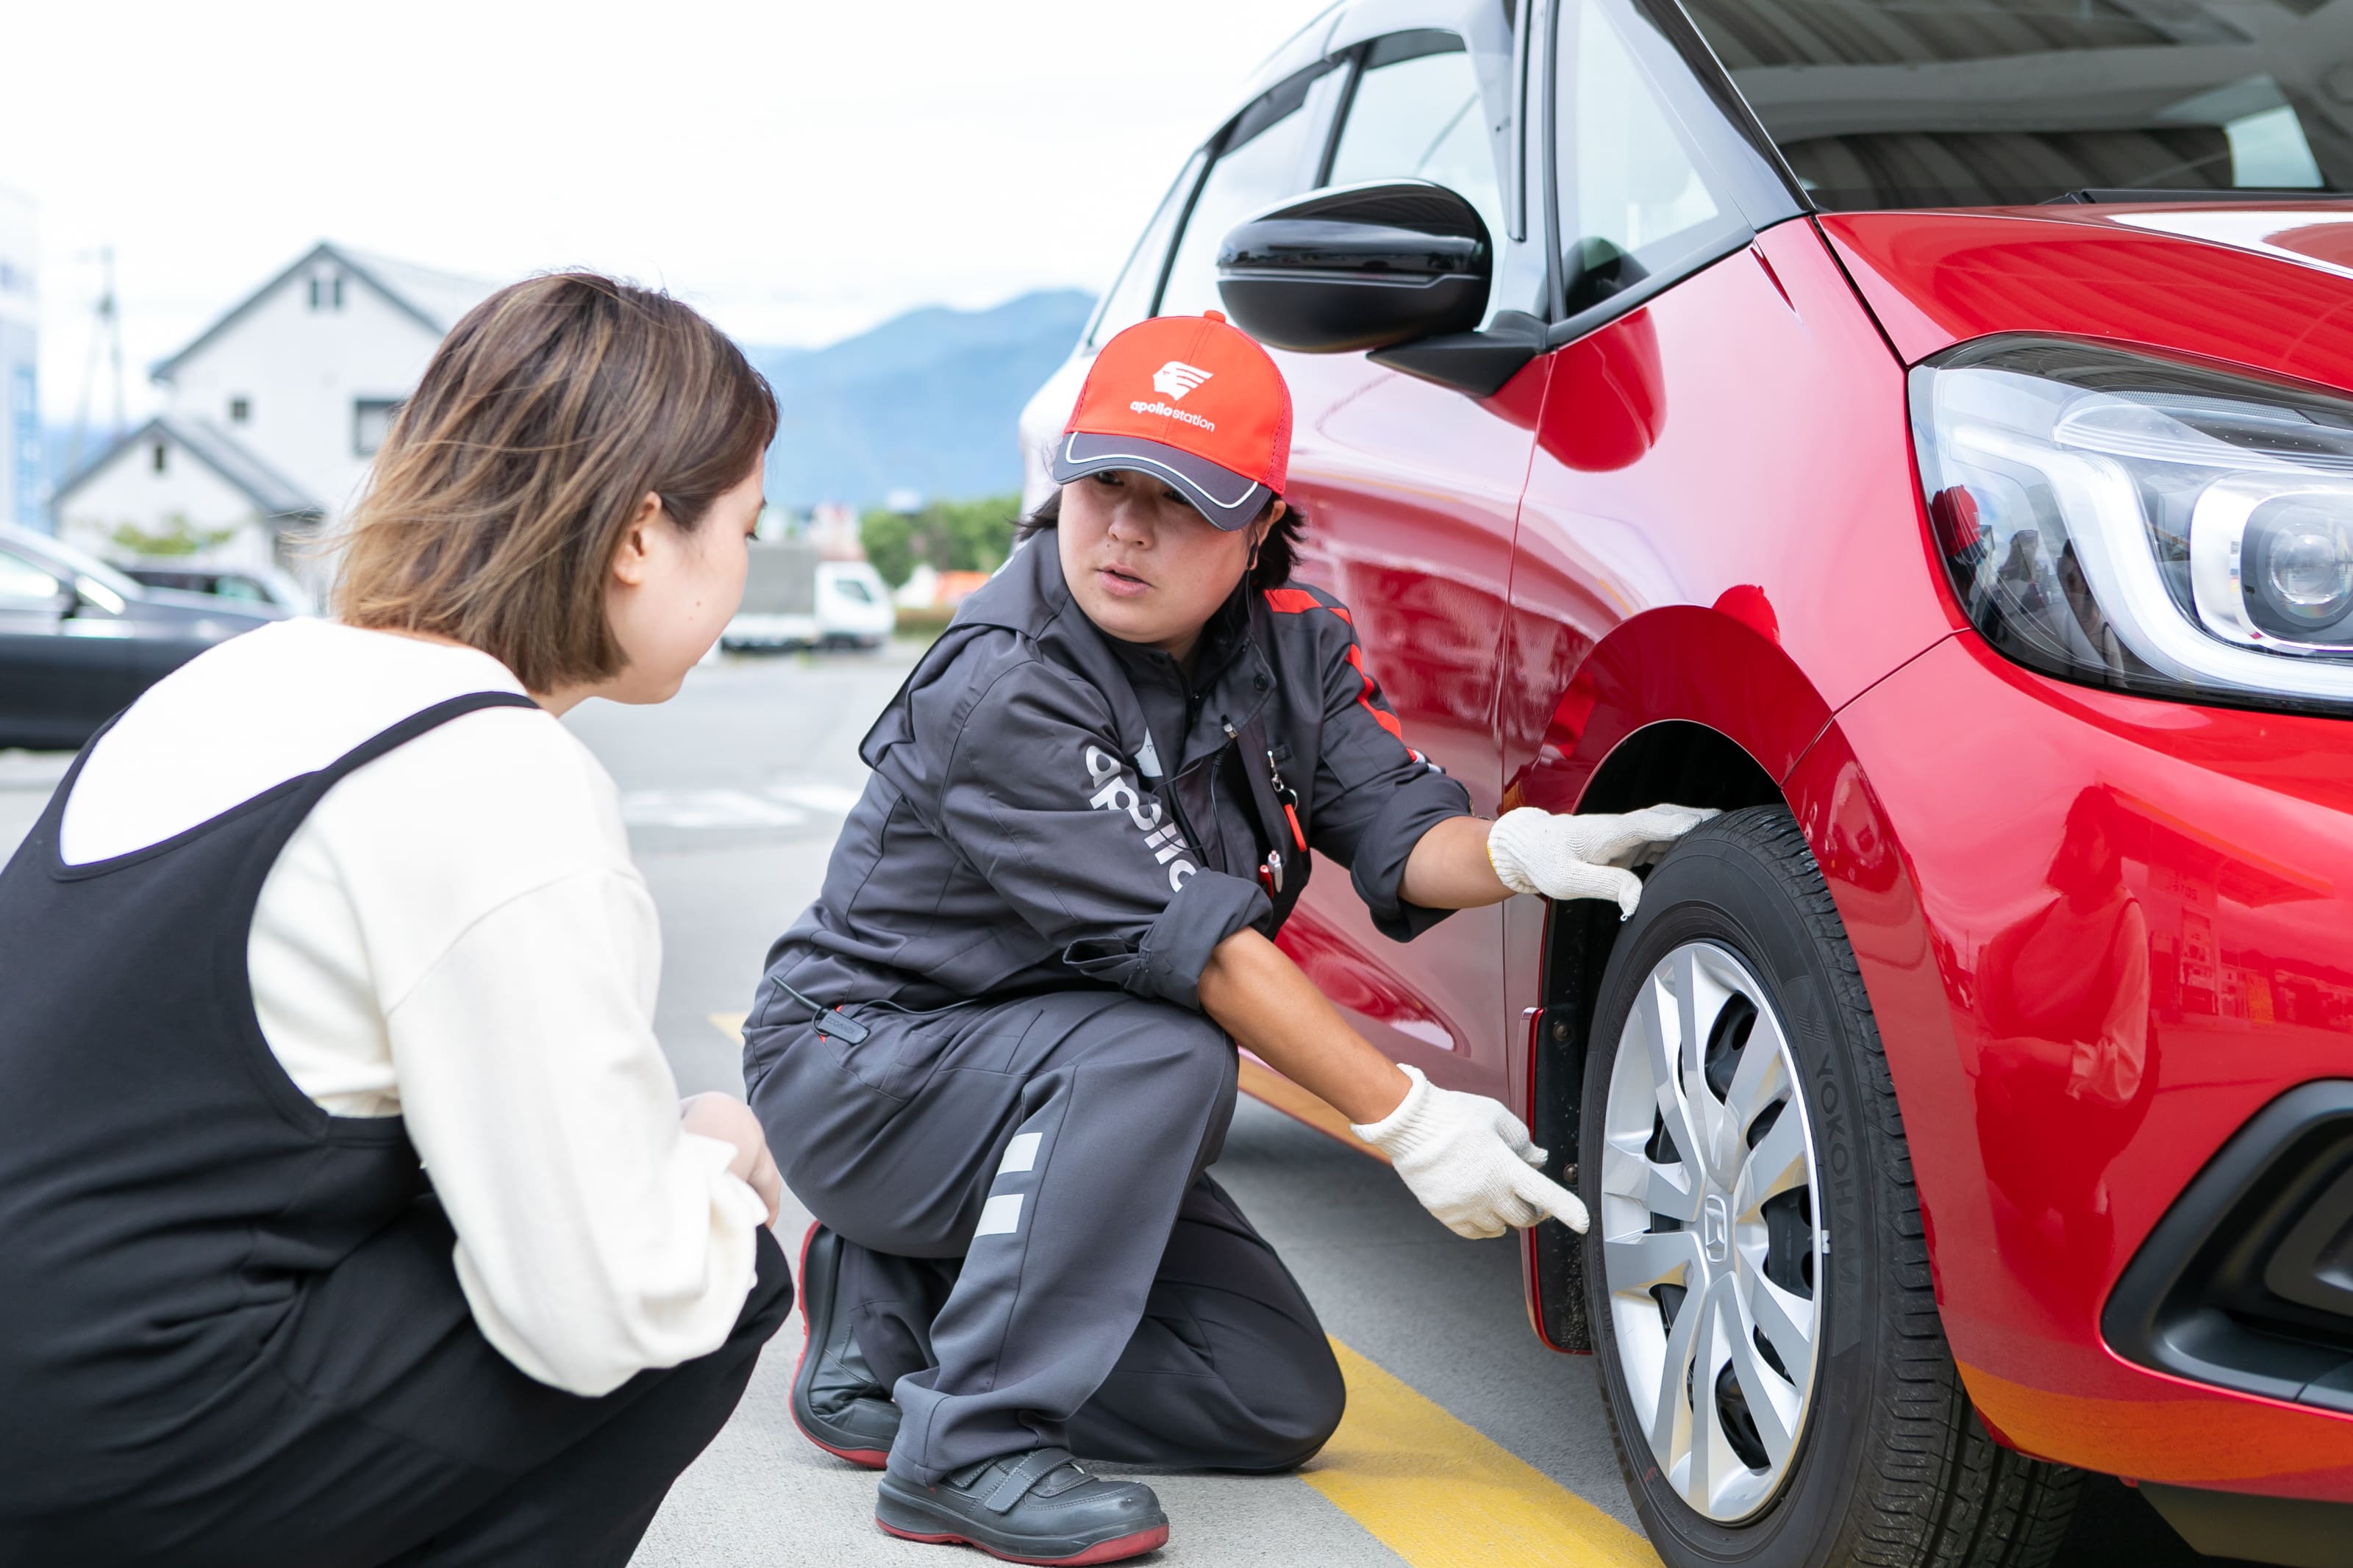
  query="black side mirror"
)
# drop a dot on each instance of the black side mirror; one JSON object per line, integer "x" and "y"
{"x": 1363, "y": 267}
{"x": 1402, "y": 268}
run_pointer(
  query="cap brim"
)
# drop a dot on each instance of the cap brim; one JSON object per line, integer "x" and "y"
{"x": 1219, "y": 494}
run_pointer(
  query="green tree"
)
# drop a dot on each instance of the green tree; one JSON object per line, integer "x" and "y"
{"x": 950, "y": 536}
{"x": 180, "y": 537}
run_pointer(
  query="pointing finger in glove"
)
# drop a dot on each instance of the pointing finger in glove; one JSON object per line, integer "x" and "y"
{"x": 1540, "y": 1192}
{"x": 1468, "y": 1160}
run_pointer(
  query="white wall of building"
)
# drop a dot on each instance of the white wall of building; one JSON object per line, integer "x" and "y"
{"x": 135, "y": 489}
{"x": 21, "y": 493}
{"x": 301, "y": 371}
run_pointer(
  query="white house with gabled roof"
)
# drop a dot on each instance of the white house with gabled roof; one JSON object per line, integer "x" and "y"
{"x": 272, "y": 414}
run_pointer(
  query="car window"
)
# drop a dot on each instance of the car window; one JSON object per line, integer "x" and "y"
{"x": 851, "y": 588}
{"x": 81, "y": 565}
{"x": 1271, "y": 153}
{"x": 1635, "y": 201}
{"x": 20, "y": 579}
{"x": 1130, "y": 298}
{"x": 1416, "y": 114}
{"x": 1879, "y": 103}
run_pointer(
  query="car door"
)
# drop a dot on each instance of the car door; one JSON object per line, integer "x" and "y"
{"x": 1409, "y": 491}
{"x": 1692, "y": 386}
{"x": 54, "y": 688}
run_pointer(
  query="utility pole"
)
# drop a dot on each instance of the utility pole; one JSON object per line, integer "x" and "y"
{"x": 106, "y": 333}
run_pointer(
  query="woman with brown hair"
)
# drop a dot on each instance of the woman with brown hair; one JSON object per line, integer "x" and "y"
{"x": 350, "y": 1212}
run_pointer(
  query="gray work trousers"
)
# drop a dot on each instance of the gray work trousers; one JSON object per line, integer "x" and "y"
{"x": 1035, "y": 1253}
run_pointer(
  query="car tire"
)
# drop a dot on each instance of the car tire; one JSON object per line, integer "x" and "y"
{"x": 1790, "y": 1254}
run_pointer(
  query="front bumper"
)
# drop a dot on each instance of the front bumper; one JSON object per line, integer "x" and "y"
{"x": 2101, "y": 933}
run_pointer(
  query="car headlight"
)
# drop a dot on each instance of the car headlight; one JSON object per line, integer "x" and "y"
{"x": 2144, "y": 523}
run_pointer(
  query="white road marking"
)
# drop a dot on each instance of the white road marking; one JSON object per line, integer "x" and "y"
{"x": 705, "y": 808}
{"x": 833, "y": 800}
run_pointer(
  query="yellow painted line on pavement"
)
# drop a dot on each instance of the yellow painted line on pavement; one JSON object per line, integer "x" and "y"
{"x": 729, "y": 1024}
{"x": 1440, "y": 1494}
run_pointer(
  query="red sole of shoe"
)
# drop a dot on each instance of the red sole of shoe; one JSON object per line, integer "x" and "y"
{"x": 1118, "y": 1550}
{"x": 865, "y": 1458}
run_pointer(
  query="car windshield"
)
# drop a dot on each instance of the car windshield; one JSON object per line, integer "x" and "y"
{"x": 65, "y": 557}
{"x": 1919, "y": 103}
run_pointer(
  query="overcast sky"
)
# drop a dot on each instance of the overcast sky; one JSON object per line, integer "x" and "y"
{"x": 798, "y": 170}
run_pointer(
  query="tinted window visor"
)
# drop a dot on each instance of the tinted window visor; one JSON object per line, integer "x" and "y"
{"x": 2143, "y": 523}
{"x": 1913, "y": 103}
{"x": 1270, "y": 152}
{"x": 1129, "y": 300}
{"x": 1415, "y": 113}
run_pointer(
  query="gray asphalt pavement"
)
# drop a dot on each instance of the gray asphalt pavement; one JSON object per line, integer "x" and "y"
{"x": 733, "y": 793}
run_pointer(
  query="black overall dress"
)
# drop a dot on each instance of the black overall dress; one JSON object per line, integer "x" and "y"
{"x": 1058, "y": 834}
{"x": 231, "y": 1330}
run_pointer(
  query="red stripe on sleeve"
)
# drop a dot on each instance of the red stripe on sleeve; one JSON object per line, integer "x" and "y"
{"x": 1298, "y": 600}
{"x": 1386, "y": 720}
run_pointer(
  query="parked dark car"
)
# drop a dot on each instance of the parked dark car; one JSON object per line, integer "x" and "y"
{"x": 243, "y": 586}
{"x": 79, "y": 639}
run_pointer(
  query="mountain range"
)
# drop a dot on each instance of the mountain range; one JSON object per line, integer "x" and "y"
{"x": 926, "y": 402}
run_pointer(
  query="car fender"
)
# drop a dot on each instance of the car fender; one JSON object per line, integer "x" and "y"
{"x": 1720, "y": 669}
{"x": 1716, "y": 666}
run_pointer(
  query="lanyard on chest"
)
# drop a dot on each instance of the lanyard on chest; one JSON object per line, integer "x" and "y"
{"x": 1277, "y": 803}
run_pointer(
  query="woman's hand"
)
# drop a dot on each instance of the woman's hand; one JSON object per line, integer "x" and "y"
{"x": 1470, "y": 1162}
{"x": 729, "y": 1120}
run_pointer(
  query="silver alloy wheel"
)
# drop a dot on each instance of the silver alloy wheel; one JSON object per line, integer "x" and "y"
{"x": 1710, "y": 1234}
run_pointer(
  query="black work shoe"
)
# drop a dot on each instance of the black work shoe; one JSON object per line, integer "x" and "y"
{"x": 837, "y": 1403}
{"x": 1039, "y": 1506}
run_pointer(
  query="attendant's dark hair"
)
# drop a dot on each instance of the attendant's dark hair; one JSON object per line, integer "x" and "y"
{"x": 1277, "y": 553}
{"x": 513, "y": 471}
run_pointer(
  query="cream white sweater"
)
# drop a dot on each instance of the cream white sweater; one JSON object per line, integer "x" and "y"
{"x": 457, "y": 936}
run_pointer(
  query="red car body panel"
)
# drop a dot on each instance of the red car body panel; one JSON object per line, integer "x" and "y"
{"x": 1772, "y": 433}
{"x": 1936, "y": 279}
{"x": 1707, "y": 510}
{"x": 1413, "y": 492}
{"x": 2234, "y": 832}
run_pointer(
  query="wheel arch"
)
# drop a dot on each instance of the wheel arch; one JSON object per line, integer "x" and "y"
{"x": 1702, "y": 707}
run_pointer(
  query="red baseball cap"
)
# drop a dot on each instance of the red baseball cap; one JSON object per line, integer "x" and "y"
{"x": 1191, "y": 401}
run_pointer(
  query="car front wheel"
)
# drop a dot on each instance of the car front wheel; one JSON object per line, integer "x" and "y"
{"x": 1756, "y": 1272}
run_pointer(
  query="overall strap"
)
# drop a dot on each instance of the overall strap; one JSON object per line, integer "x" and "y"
{"x": 407, "y": 730}
{"x": 50, "y": 824}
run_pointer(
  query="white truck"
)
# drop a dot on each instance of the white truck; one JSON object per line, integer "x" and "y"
{"x": 793, "y": 599}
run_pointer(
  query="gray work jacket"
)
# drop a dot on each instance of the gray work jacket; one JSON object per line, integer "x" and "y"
{"x": 1027, "y": 827}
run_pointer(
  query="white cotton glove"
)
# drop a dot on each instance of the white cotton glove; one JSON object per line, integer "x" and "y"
{"x": 1560, "y": 856}
{"x": 1470, "y": 1162}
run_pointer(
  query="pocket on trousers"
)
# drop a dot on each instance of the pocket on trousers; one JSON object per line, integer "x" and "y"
{"x": 878, "y": 1061}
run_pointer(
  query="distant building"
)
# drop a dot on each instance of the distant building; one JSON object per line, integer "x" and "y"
{"x": 929, "y": 588}
{"x": 272, "y": 414}
{"x": 20, "y": 362}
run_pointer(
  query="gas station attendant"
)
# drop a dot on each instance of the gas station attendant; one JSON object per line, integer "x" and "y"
{"x": 997, "y": 1055}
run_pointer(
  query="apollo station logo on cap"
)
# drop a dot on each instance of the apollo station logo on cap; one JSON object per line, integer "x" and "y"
{"x": 1191, "y": 401}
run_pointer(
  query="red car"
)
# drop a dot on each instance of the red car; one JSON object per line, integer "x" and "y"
{"x": 1924, "y": 431}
